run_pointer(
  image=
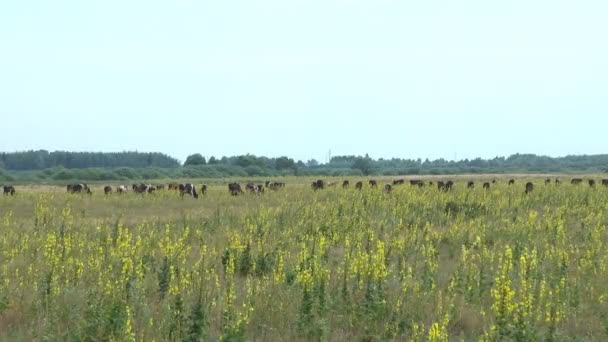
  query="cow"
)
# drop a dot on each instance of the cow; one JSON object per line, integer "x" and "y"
{"x": 470, "y": 185}
{"x": 254, "y": 188}
{"x": 592, "y": 183}
{"x": 141, "y": 188}
{"x": 547, "y": 181}
{"x": 576, "y": 181}
{"x": 204, "y": 189}
{"x": 359, "y": 185}
{"x": 448, "y": 185}
{"x": 605, "y": 182}
{"x": 318, "y": 184}
{"x": 373, "y": 183}
{"x": 151, "y": 188}
{"x": 440, "y": 185}
{"x": 493, "y": 180}
{"x": 107, "y": 189}
{"x": 416, "y": 182}
{"x": 9, "y": 190}
{"x": 399, "y": 181}
{"x": 160, "y": 187}
{"x": 235, "y": 189}
{"x": 188, "y": 188}
{"x": 529, "y": 187}
{"x": 388, "y": 188}
{"x": 122, "y": 188}
{"x": 557, "y": 181}
{"x": 173, "y": 186}
{"x": 486, "y": 185}
{"x": 431, "y": 183}
{"x": 79, "y": 188}
{"x": 345, "y": 184}
{"x": 511, "y": 181}
{"x": 333, "y": 183}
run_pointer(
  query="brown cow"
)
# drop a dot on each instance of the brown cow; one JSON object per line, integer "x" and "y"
{"x": 373, "y": 183}
{"x": 235, "y": 189}
{"x": 592, "y": 183}
{"x": 399, "y": 181}
{"x": 204, "y": 189}
{"x": 470, "y": 185}
{"x": 107, "y": 189}
{"x": 576, "y": 181}
{"x": 359, "y": 185}
{"x": 605, "y": 182}
{"x": 345, "y": 184}
{"x": 511, "y": 181}
{"x": 388, "y": 188}
{"x": 547, "y": 181}
{"x": 486, "y": 185}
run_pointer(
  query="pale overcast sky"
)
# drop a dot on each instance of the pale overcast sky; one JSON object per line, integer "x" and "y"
{"x": 412, "y": 79}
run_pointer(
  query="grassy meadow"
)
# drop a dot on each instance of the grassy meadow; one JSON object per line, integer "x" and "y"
{"x": 296, "y": 264}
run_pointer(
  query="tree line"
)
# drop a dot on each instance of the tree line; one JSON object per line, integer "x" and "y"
{"x": 44, "y": 166}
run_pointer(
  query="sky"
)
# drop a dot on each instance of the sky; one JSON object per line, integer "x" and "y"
{"x": 408, "y": 79}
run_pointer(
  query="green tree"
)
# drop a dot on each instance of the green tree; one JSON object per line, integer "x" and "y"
{"x": 195, "y": 159}
{"x": 364, "y": 164}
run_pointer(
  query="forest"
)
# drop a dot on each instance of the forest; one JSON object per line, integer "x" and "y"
{"x": 60, "y": 166}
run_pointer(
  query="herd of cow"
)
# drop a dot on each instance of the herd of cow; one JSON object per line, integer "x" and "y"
{"x": 235, "y": 189}
{"x": 443, "y": 185}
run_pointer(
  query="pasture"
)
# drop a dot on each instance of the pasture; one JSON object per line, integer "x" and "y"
{"x": 416, "y": 264}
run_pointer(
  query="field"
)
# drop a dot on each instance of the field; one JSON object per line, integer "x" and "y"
{"x": 295, "y": 264}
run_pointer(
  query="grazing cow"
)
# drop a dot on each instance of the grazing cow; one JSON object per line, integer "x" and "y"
{"x": 188, "y": 188}
{"x": 486, "y": 185}
{"x": 373, "y": 183}
{"x": 79, "y": 188}
{"x": 9, "y": 190}
{"x": 141, "y": 188}
{"x": 416, "y": 182}
{"x": 359, "y": 185}
{"x": 204, "y": 189}
{"x": 235, "y": 189}
{"x": 605, "y": 182}
{"x": 511, "y": 181}
{"x": 345, "y": 184}
{"x": 399, "y": 181}
{"x": 388, "y": 188}
{"x": 173, "y": 186}
{"x": 448, "y": 185}
{"x": 493, "y": 180}
{"x": 440, "y": 185}
{"x": 576, "y": 181}
{"x": 107, "y": 189}
{"x": 470, "y": 185}
{"x": 529, "y": 187}
{"x": 431, "y": 184}
{"x": 547, "y": 181}
{"x": 557, "y": 181}
{"x": 592, "y": 183}
{"x": 122, "y": 188}
{"x": 160, "y": 187}
{"x": 254, "y": 188}
{"x": 318, "y": 184}
{"x": 151, "y": 188}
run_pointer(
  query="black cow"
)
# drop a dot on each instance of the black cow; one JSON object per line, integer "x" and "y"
{"x": 318, "y": 184}
{"x": 448, "y": 185}
{"x": 486, "y": 185}
{"x": 511, "y": 181}
{"x": 142, "y": 188}
{"x": 359, "y": 185}
{"x": 529, "y": 187}
{"x": 417, "y": 182}
{"x": 204, "y": 189}
{"x": 235, "y": 189}
{"x": 470, "y": 185}
{"x": 388, "y": 188}
{"x": 9, "y": 190}
{"x": 440, "y": 185}
{"x": 373, "y": 183}
{"x": 107, "y": 189}
{"x": 576, "y": 181}
{"x": 188, "y": 188}
{"x": 547, "y": 181}
{"x": 605, "y": 182}
{"x": 592, "y": 183}
{"x": 345, "y": 184}
{"x": 78, "y": 188}
{"x": 399, "y": 181}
